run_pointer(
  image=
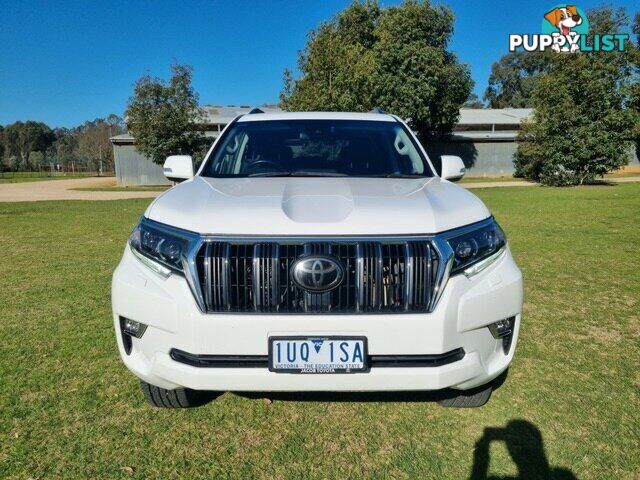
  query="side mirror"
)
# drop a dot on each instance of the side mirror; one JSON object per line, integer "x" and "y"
{"x": 452, "y": 167}
{"x": 178, "y": 167}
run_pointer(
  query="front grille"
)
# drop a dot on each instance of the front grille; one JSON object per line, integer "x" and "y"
{"x": 379, "y": 276}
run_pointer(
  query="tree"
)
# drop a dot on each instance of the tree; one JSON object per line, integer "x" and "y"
{"x": 163, "y": 117}
{"x": 514, "y": 77}
{"x": 287, "y": 89}
{"x": 36, "y": 159}
{"x": 337, "y": 65}
{"x": 22, "y": 138}
{"x": 64, "y": 148}
{"x": 394, "y": 58}
{"x": 92, "y": 143}
{"x": 583, "y": 121}
{"x": 473, "y": 102}
{"x": 2, "y": 163}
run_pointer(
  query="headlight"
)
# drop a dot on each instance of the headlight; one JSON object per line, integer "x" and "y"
{"x": 160, "y": 248}
{"x": 475, "y": 250}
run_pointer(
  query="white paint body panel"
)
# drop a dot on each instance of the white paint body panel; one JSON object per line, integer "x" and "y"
{"x": 317, "y": 206}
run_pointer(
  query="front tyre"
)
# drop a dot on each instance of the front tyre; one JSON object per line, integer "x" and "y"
{"x": 179, "y": 398}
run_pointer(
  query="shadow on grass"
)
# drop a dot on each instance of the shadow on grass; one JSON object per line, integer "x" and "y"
{"x": 525, "y": 446}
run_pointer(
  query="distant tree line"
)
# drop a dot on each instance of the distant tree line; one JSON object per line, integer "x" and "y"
{"x": 32, "y": 146}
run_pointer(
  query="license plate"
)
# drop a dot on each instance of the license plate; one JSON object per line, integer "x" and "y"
{"x": 317, "y": 354}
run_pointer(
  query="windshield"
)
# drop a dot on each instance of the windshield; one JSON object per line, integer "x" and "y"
{"x": 353, "y": 148}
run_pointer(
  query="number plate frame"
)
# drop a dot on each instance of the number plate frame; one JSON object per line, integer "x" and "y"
{"x": 365, "y": 347}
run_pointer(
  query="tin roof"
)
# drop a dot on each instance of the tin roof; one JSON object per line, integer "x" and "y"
{"x": 469, "y": 117}
{"x": 224, "y": 114}
{"x": 493, "y": 116}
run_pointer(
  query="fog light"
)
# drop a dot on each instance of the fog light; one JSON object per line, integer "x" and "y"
{"x": 503, "y": 329}
{"x": 130, "y": 328}
{"x": 133, "y": 328}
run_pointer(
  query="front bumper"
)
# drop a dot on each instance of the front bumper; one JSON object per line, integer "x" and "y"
{"x": 460, "y": 320}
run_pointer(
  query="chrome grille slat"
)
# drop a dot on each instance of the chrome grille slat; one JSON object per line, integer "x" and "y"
{"x": 215, "y": 274}
{"x": 266, "y": 277}
{"x": 384, "y": 276}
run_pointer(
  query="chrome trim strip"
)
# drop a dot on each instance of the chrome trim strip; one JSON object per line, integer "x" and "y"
{"x": 377, "y": 265}
{"x": 226, "y": 275}
{"x": 359, "y": 278}
{"x": 445, "y": 254}
{"x": 408, "y": 275}
{"x": 207, "y": 275}
{"x": 257, "y": 281}
{"x": 191, "y": 273}
{"x": 212, "y": 237}
{"x": 275, "y": 274}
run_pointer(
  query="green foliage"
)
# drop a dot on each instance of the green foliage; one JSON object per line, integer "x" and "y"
{"x": 580, "y": 128}
{"x": 514, "y": 77}
{"x": 30, "y": 145}
{"x": 163, "y": 117}
{"x": 36, "y": 159}
{"x": 473, "y": 102}
{"x": 394, "y": 58}
{"x": 584, "y": 119}
{"x": 20, "y": 139}
{"x": 91, "y": 141}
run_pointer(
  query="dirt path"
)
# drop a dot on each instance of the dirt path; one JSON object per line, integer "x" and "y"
{"x": 61, "y": 190}
{"x": 532, "y": 184}
{"x": 496, "y": 184}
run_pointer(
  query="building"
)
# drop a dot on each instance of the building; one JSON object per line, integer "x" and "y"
{"x": 484, "y": 138}
{"x": 133, "y": 168}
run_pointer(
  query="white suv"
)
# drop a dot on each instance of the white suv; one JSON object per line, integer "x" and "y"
{"x": 316, "y": 252}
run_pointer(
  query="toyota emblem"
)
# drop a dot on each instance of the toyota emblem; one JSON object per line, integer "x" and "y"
{"x": 317, "y": 273}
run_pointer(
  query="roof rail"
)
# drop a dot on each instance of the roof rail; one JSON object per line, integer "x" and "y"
{"x": 376, "y": 110}
{"x": 255, "y": 110}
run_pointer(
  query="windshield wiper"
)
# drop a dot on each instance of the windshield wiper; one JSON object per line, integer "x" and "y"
{"x": 270, "y": 174}
{"x": 398, "y": 175}
{"x": 303, "y": 173}
{"x": 297, "y": 174}
{"x": 318, "y": 174}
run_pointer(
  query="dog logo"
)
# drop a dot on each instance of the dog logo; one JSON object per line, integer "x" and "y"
{"x": 565, "y": 28}
{"x": 567, "y": 21}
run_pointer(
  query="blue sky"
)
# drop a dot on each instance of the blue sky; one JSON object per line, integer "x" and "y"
{"x": 66, "y": 62}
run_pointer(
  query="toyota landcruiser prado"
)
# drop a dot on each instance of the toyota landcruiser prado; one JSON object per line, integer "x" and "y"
{"x": 316, "y": 252}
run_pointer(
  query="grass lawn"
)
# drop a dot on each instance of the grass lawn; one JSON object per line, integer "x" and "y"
{"x": 70, "y": 409}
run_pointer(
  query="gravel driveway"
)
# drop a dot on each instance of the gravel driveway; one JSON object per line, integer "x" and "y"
{"x": 61, "y": 190}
